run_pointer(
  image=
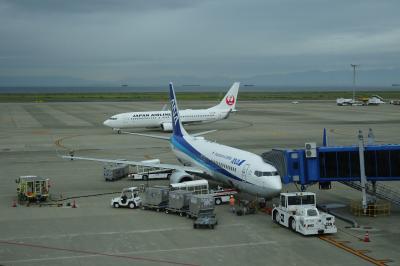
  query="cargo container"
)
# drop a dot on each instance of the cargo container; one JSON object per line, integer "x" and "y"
{"x": 203, "y": 203}
{"x": 178, "y": 202}
{"x": 155, "y": 198}
{"x": 112, "y": 172}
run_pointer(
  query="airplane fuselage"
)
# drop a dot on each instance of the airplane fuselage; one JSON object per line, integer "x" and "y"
{"x": 241, "y": 169}
{"x": 162, "y": 119}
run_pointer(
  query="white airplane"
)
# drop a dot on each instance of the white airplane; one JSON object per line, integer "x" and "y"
{"x": 162, "y": 119}
{"x": 243, "y": 170}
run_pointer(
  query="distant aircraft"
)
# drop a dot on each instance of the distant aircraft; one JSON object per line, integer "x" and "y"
{"x": 243, "y": 170}
{"x": 375, "y": 100}
{"x": 162, "y": 119}
{"x": 343, "y": 101}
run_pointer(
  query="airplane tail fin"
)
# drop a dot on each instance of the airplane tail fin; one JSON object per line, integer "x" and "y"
{"x": 230, "y": 98}
{"x": 177, "y": 127}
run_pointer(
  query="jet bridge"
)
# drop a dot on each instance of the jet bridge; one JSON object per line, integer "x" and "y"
{"x": 339, "y": 163}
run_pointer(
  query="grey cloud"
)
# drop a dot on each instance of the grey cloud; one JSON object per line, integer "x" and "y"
{"x": 122, "y": 39}
{"x": 93, "y": 6}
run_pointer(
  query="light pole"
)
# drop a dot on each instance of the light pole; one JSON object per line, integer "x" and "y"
{"x": 354, "y": 81}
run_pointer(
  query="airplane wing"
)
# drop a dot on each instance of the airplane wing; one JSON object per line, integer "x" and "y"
{"x": 147, "y": 135}
{"x": 164, "y": 137}
{"x": 190, "y": 170}
{"x": 203, "y": 133}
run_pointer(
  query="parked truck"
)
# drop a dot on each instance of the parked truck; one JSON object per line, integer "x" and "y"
{"x": 298, "y": 212}
{"x": 155, "y": 198}
{"x": 178, "y": 202}
{"x": 202, "y": 203}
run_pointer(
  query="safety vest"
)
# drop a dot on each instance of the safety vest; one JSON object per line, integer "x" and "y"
{"x": 232, "y": 201}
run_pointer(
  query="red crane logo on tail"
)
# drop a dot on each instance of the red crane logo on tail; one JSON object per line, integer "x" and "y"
{"x": 230, "y": 100}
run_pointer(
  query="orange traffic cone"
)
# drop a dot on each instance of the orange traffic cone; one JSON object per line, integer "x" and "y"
{"x": 14, "y": 204}
{"x": 73, "y": 204}
{"x": 366, "y": 237}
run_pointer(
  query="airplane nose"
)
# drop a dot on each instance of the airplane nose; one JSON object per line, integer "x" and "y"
{"x": 106, "y": 123}
{"x": 275, "y": 185}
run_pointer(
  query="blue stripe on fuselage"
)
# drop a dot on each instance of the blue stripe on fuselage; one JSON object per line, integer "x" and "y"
{"x": 185, "y": 147}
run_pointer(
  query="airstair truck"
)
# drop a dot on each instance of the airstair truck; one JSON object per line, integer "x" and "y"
{"x": 298, "y": 211}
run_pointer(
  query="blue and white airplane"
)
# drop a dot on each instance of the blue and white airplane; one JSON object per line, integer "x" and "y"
{"x": 243, "y": 170}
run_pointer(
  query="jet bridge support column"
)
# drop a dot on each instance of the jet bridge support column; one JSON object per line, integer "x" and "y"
{"x": 362, "y": 170}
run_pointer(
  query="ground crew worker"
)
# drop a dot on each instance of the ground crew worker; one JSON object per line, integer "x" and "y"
{"x": 232, "y": 203}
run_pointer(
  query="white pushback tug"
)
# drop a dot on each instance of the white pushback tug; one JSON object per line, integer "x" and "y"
{"x": 298, "y": 211}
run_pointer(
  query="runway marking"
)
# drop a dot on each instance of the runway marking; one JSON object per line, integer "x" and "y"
{"x": 125, "y": 254}
{"x": 358, "y": 253}
{"x": 59, "y": 141}
{"x": 113, "y": 232}
{"x": 92, "y": 253}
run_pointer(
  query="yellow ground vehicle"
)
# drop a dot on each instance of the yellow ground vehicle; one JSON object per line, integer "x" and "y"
{"x": 32, "y": 188}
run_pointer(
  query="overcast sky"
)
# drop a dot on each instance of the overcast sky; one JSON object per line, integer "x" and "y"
{"x": 149, "y": 41}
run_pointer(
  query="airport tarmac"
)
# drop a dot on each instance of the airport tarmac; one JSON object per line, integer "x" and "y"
{"x": 32, "y": 135}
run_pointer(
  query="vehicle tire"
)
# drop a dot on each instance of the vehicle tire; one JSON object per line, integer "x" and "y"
{"x": 194, "y": 226}
{"x": 116, "y": 205}
{"x": 132, "y": 205}
{"x": 181, "y": 214}
{"x": 218, "y": 201}
{"x": 145, "y": 177}
{"x": 212, "y": 226}
{"x": 168, "y": 176}
{"x": 119, "y": 131}
{"x": 276, "y": 217}
{"x": 292, "y": 224}
{"x": 158, "y": 210}
{"x": 166, "y": 211}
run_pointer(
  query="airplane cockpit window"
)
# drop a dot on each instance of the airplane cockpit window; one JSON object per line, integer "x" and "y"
{"x": 259, "y": 173}
{"x": 113, "y": 118}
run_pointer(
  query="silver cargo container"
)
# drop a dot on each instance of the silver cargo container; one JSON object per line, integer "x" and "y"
{"x": 156, "y": 196}
{"x": 179, "y": 199}
{"x": 201, "y": 203}
{"x": 113, "y": 172}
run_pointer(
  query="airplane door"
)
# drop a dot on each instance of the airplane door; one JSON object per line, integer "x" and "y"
{"x": 245, "y": 171}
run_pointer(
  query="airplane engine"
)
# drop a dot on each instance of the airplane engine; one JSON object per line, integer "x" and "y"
{"x": 179, "y": 177}
{"x": 166, "y": 126}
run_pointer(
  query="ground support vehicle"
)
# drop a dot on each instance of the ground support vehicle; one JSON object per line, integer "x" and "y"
{"x": 200, "y": 204}
{"x": 298, "y": 212}
{"x": 222, "y": 195}
{"x": 178, "y": 202}
{"x": 129, "y": 198}
{"x": 205, "y": 219}
{"x": 155, "y": 198}
{"x": 32, "y": 188}
{"x": 150, "y": 175}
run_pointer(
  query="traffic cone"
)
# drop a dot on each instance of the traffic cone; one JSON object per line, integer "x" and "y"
{"x": 366, "y": 237}
{"x": 14, "y": 204}
{"x": 73, "y": 204}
